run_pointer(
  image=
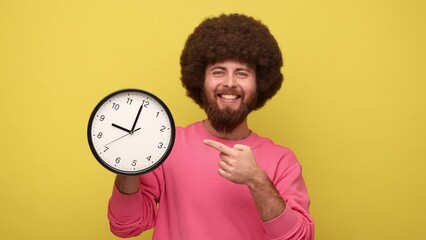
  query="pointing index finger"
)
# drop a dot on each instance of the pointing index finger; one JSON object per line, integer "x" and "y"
{"x": 219, "y": 146}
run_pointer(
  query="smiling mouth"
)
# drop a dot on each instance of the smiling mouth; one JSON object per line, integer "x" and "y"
{"x": 228, "y": 96}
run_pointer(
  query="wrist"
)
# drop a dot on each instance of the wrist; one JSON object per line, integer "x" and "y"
{"x": 258, "y": 180}
{"x": 127, "y": 184}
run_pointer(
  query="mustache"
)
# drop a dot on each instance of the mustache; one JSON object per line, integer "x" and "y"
{"x": 228, "y": 91}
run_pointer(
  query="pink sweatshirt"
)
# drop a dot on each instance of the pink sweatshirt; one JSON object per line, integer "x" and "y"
{"x": 185, "y": 198}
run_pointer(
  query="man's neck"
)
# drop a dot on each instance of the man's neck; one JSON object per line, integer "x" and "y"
{"x": 240, "y": 132}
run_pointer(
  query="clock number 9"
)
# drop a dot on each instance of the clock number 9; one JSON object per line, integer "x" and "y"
{"x": 102, "y": 117}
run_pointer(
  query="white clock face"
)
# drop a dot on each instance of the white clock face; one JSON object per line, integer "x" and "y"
{"x": 131, "y": 132}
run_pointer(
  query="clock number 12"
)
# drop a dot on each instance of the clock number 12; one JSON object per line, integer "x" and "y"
{"x": 145, "y": 103}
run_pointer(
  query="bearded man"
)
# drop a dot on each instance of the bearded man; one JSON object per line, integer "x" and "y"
{"x": 221, "y": 180}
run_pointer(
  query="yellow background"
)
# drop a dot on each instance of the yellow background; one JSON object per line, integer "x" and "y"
{"x": 352, "y": 106}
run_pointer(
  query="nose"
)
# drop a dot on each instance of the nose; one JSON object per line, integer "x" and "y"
{"x": 229, "y": 81}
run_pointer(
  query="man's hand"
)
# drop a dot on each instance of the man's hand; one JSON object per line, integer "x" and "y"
{"x": 236, "y": 164}
{"x": 127, "y": 184}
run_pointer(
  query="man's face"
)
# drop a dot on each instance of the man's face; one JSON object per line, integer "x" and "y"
{"x": 229, "y": 93}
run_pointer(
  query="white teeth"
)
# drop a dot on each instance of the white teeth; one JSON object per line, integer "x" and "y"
{"x": 228, "y": 96}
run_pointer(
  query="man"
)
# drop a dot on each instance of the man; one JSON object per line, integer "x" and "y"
{"x": 221, "y": 180}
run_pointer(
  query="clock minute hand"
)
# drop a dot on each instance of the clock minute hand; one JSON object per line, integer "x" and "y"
{"x": 136, "y": 120}
{"x": 121, "y": 137}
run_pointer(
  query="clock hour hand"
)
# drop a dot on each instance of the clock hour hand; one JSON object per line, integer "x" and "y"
{"x": 121, "y": 137}
{"x": 136, "y": 120}
{"x": 122, "y": 128}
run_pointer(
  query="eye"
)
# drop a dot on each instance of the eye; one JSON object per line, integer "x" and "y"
{"x": 218, "y": 73}
{"x": 242, "y": 74}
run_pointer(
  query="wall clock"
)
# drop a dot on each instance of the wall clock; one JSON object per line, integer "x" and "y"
{"x": 131, "y": 132}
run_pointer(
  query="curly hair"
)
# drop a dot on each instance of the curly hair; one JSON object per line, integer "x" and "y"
{"x": 232, "y": 37}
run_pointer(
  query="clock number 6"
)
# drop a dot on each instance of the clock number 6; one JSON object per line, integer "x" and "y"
{"x": 134, "y": 162}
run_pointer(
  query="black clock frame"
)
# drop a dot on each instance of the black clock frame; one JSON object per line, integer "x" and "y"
{"x": 131, "y": 173}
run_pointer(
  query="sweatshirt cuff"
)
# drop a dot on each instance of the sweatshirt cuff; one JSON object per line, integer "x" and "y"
{"x": 281, "y": 225}
{"x": 126, "y": 204}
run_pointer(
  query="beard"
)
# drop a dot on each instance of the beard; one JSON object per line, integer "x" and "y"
{"x": 227, "y": 119}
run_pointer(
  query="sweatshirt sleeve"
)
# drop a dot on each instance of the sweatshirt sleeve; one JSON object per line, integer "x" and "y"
{"x": 295, "y": 223}
{"x": 130, "y": 215}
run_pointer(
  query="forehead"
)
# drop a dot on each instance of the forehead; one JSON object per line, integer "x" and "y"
{"x": 231, "y": 64}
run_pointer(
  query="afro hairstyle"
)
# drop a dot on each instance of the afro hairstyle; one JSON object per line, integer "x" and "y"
{"x": 232, "y": 37}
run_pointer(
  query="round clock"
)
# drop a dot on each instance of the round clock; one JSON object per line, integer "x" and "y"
{"x": 131, "y": 132}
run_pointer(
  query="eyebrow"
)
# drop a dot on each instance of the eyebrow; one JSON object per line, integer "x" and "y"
{"x": 217, "y": 67}
{"x": 223, "y": 68}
